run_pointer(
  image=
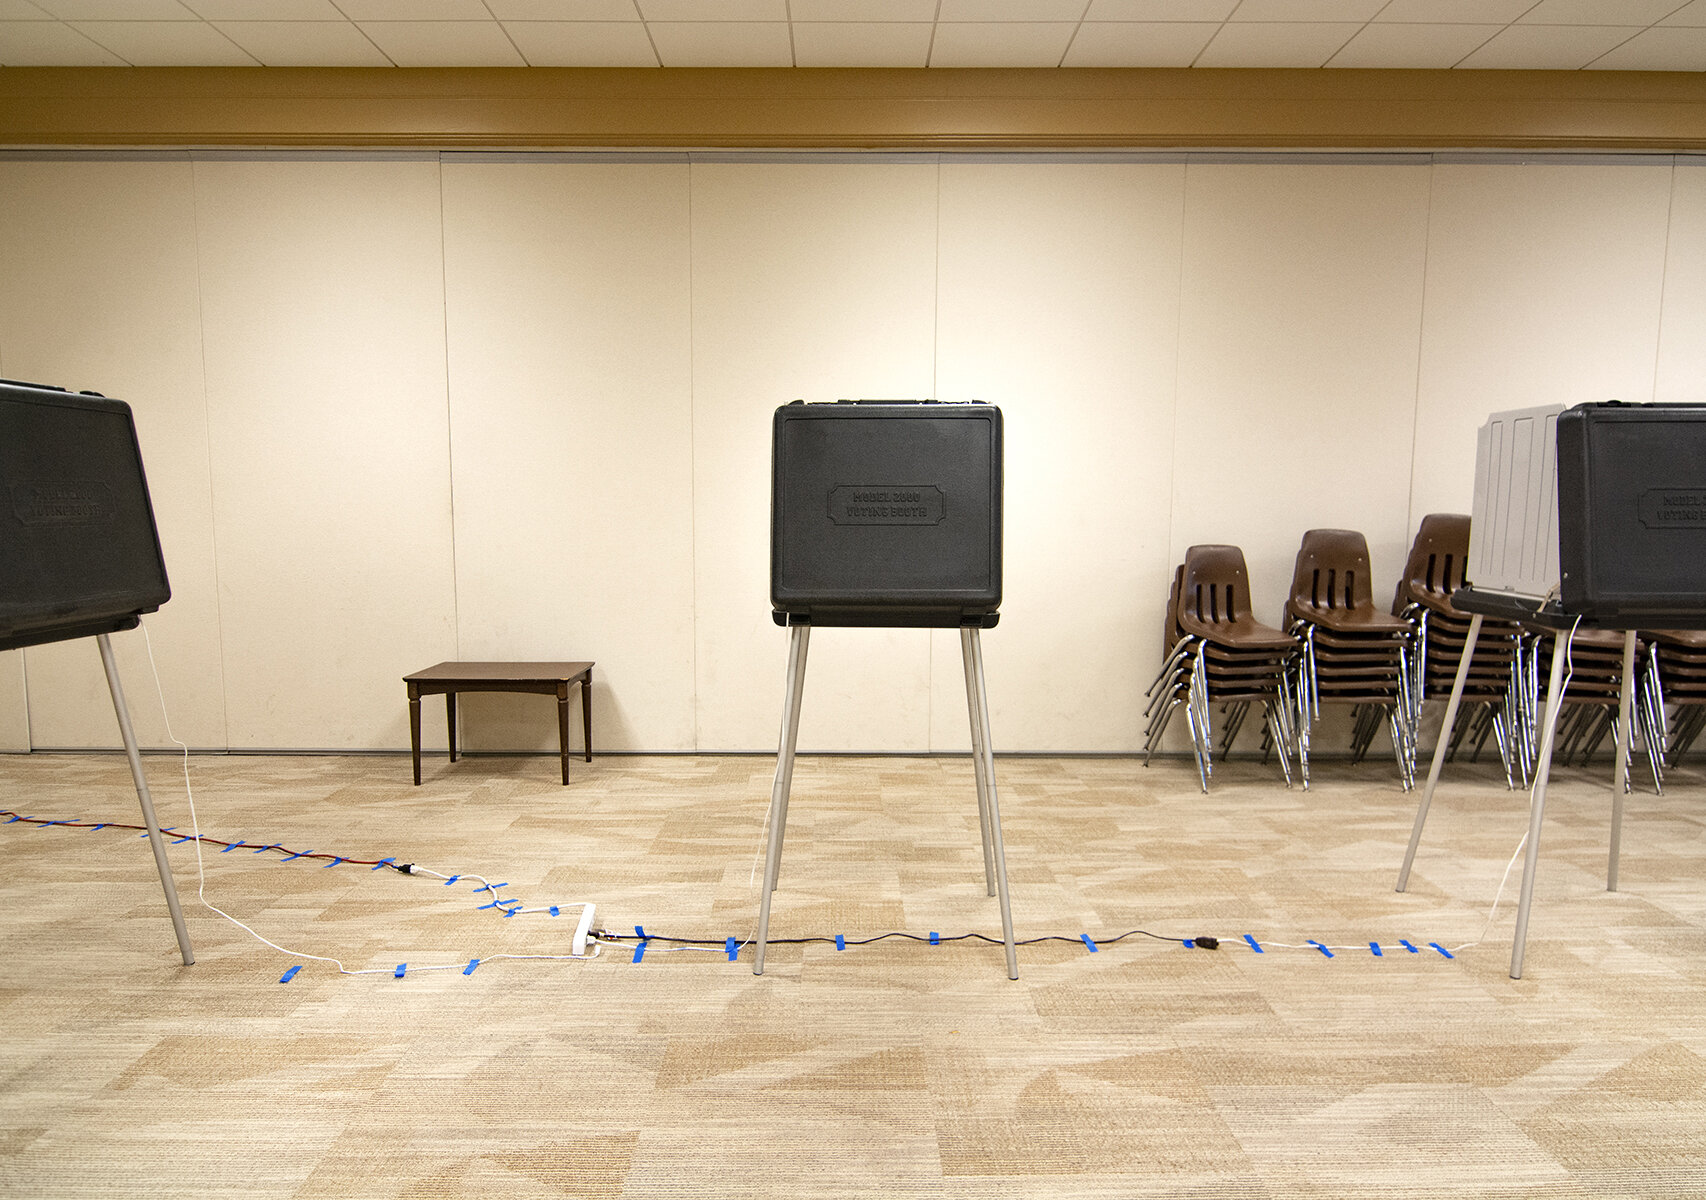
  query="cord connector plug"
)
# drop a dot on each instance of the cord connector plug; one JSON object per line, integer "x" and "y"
{"x": 1207, "y": 943}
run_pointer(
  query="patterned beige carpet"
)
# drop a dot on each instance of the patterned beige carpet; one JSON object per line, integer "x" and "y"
{"x": 894, "y": 1069}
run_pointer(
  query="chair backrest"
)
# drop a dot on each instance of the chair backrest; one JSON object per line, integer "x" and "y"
{"x": 1214, "y": 585}
{"x": 1332, "y": 572}
{"x": 1170, "y": 619}
{"x": 1438, "y": 555}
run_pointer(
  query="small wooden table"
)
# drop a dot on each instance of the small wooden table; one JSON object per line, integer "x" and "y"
{"x": 541, "y": 678}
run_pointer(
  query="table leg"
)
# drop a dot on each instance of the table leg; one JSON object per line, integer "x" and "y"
{"x": 563, "y": 728}
{"x": 450, "y": 722}
{"x": 586, "y": 712}
{"x": 415, "y": 728}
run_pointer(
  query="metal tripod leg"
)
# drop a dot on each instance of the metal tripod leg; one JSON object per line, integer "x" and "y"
{"x": 1441, "y": 748}
{"x": 1537, "y": 806}
{"x": 1620, "y": 772}
{"x": 977, "y": 748}
{"x": 799, "y": 637}
{"x": 154, "y": 839}
{"x": 972, "y": 651}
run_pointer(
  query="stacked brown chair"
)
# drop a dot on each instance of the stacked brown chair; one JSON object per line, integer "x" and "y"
{"x": 1591, "y": 696}
{"x": 1674, "y": 675}
{"x": 1171, "y": 687}
{"x": 1224, "y": 655}
{"x": 1350, "y": 652}
{"x": 1434, "y": 571}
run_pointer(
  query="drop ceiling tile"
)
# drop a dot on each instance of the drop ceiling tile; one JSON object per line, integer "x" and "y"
{"x": 1412, "y": 47}
{"x": 1693, "y": 14}
{"x": 1264, "y": 44}
{"x": 1665, "y": 48}
{"x": 304, "y": 43}
{"x": 1307, "y": 10}
{"x": 50, "y": 44}
{"x": 862, "y": 10}
{"x": 116, "y": 10}
{"x": 265, "y": 10}
{"x": 1598, "y": 12}
{"x": 1454, "y": 12}
{"x": 415, "y": 10}
{"x": 1139, "y": 43}
{"x": 1546, "y": 47}
{"x": 862, "y": 44}
{"x": 1160, "y": 10}
{"x": 713, "y": 10}
{"x": 583, "y": 43}
{"x": 1001, "y": 44}
{"x": 166, "y": 43}
{"x": 564, "y": 10}
{"x": 443, "y": 43}
{"x": 722, "y": 43}
{"x": 980, "y": 11}
{"x": 21, "y": 10}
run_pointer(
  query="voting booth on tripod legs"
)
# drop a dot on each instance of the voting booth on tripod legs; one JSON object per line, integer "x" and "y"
{"x": 1590, "y": 517}
{"x": 79, "y": 552}
{"x": 887, "y": 513}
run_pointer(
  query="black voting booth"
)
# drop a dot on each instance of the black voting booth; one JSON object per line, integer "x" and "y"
{"x": 887, "y": 513}
{"x": 79, "y": 553}
{"x": 1629, "y": 517}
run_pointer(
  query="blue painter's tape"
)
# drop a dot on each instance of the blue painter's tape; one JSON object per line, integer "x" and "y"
{"x": 451, "y": 880}
{"x": 1409, "y": 947}
{"x": 1086, "y": 939}
{"x": 102, "y": 825}
{"x": 640, "y": 930}
{"x": 1442, "y": 949}
{"x": 484, "y": 907}
{"x": 334, "y": 862}
{"x": 297, "y": 854}
{"x": 1190, "y": 943}
{"x": 639, "y": 950}
{"x": 840, "y": 942}
{"x": 384, "y": 862}
{"x": 1321, "y": 948}
{"x": 227, "y": 849}
{"x": 935, "y": 938}
{"x": 554, "y": 911}
{"x": 401, "y": 967}
{"x": 1375, "y": 946}
{"x": 731, "y": 949}
{"x": 490, "y": 887}
{"x": 15, "y": 819}
{"x": 510, "y": 912}
{"x": 264, "y": 849}
{"x": 291, "y": 974}
{"x": 469, "y": 969}
{"x": 1254, "y": 944}
{"x": 179, "y": 842}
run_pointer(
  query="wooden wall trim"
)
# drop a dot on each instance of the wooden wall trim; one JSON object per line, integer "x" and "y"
{"x": 930, "y": 109}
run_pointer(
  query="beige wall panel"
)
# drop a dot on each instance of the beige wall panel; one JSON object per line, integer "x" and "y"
{"x": 102, "y": 294}
{"x": 1059, "y": 302}
{"x": 571, "y": 427}
{"x": 324, "y": 301}
{"x": 1297, "y": 363}
{"x": 1682, "y": 331}
{"x": 811, "y": 281}
{"x": 14, "y": 704}
{"x": 1544, "y": 283}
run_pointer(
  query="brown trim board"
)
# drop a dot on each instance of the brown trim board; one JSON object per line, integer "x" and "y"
{"x": 922, "y": 109}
